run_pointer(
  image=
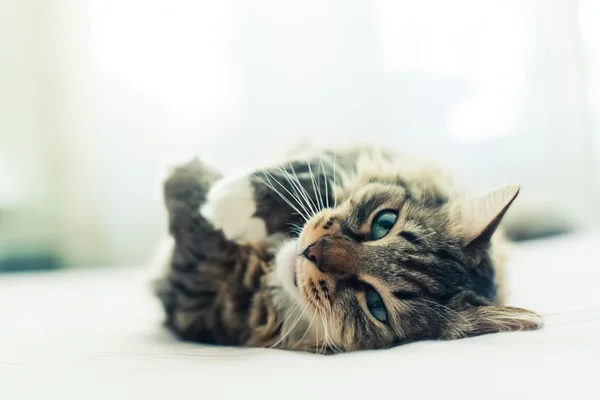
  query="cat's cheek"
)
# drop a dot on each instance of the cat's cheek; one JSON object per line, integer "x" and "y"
{"x": 230, "y": 206}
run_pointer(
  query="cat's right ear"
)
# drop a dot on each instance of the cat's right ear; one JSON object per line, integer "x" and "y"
{"x": 477, "y": 219}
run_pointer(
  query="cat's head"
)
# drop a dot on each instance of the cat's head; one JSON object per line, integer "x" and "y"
{"x": 395, "y": 262}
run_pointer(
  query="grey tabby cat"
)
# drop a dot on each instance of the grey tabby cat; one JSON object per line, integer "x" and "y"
{"x": 343, "y": 251}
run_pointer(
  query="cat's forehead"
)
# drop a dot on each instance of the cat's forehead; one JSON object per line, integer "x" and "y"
{"x": 411, "y": 201}
{"x": 377, "y": 192}
{"x": 364, "y": 201}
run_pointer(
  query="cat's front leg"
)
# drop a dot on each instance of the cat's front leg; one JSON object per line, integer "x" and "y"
{"x": 274, "y": 200}
{"x": 231, "y": 206}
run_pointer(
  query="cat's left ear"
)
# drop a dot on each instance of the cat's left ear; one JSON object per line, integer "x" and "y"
{"x": 479, "y": 218}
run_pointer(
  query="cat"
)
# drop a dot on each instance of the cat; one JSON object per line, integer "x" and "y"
{"x": 334, "y": 252}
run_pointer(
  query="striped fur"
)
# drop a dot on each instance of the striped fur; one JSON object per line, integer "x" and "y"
{"x": 436, "y": 270}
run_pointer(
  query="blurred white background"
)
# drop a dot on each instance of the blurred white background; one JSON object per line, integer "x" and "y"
{"x": 96, "y": 94}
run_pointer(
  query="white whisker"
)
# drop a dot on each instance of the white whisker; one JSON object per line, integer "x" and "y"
{"x": 295, "y": 229}
{"x": 312, "y": 178}
{"x": 292, "y": 327}
{"x": 298, "y": 196}
{"x": 330, "y": 342}
{"x": 425, "y": 236}
{"x": 324, "y": 346}
{"x": 445, "y": 308}
{"x": 306, "y": 196}
{"x": 317, "y": 339}
{"x": 282, "y": 196}
{"x": 319, "y": 186}
{"x": 270, "y": 185}
{"x": 295, "y": 226}
{"x": 326, "y": 182}
{"x": 334, "y": 183}
{"x": 301, "y": 191}
{"x": 326, "y": 341}
{"x": 305, "y": 332}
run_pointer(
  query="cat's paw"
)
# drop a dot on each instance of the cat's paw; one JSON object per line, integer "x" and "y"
{"x": 230, "y": 206}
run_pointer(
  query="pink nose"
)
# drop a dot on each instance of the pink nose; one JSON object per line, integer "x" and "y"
{"x": 314, "y": 252}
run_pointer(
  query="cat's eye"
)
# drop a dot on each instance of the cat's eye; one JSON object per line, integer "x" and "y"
{"x": 382, "y": 224}
{"x": 375, "y": 305}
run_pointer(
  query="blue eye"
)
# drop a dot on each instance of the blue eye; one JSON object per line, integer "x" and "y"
{"x": 375, "y": 305}
{"x": 382, "y": 224}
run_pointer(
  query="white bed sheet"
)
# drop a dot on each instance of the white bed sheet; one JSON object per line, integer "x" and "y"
{"x": 95, "y": 334}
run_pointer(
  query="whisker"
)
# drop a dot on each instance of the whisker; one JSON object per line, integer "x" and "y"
{"x": 326, "y": 182}
{"x": 292, "y": 327}
{"x": 327, "y": 341}
{"x": 295, "y": 227}
{"x": 334, "y": 184}
{"x": 324, "y": 345}
{"x": 319, "y": 185}
{"x": 305, "y": 332}
{"x": 317, "y": 340}
{"x": 312, "y": 178}
{"x": 295, "y": 232}
{"x": 300, "y": 191}
{"x": 425, "y": 235}
{"x": 421, "y": 213}
{"x": 307, "y": 197}
{"x": 281, "y": 195}
{"x": 445, "y": 308}
{"x": 287, "y": 317}
{"x": 319, "y": 347}
{"x": 334, "y": 347}
{"x": 269, "y": 185}
{"x": 298, "y": 195}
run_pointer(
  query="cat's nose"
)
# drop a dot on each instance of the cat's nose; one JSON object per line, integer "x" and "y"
{"x": 314, "y": 252}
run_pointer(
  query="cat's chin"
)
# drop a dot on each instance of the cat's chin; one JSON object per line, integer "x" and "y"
{"x": 286, "y": 265}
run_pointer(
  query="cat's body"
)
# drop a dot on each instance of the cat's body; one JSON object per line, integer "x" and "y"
{"x": 388, "y": 252}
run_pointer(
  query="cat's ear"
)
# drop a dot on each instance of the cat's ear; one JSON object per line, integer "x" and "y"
{"x": 479, "y": 218}
{"x": 492, "y": 319}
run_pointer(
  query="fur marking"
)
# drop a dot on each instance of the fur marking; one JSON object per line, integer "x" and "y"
{"x": 230, "y": 206}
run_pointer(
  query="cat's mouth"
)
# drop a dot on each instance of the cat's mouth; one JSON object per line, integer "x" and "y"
{"x": 293, "y": 268}
{"x": 288, "y": 262}
{"x": 295, "y": 271}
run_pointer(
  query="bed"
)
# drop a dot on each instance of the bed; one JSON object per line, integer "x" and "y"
{"x": 96, "y": 334}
